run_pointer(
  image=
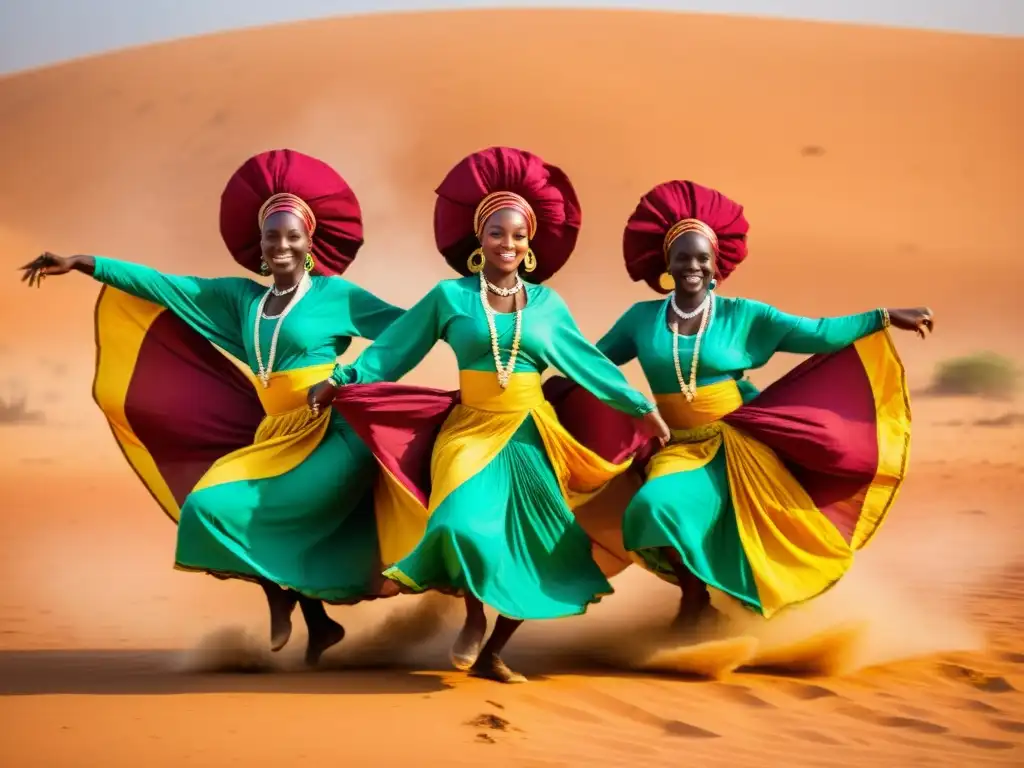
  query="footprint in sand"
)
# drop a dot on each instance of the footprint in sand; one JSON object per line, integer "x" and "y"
{"x": 491, "y": 722}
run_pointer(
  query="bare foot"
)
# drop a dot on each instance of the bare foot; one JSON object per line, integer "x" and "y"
{"x": 281, "y": 606}
{"x": 466, "y": 649}
{"x": 322, "y": 637}
{"x": 389, "y": 588}
{"x": 493, "y": 668}
{"x": 696, "y": 618}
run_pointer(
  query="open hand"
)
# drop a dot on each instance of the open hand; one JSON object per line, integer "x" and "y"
{"x": 46, "y": 265}
{"x": 920, "y": 320}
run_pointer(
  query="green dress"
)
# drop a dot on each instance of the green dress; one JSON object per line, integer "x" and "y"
{"x": 296, "y": 506}
{"x": 504, "y": 475}
{"x": 694, "y": 511}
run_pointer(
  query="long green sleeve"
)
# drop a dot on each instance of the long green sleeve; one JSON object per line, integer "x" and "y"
{"x": 399, "y": 348}
{"x": 210, "y": 306}
{"x": 370, "y": 315}
{"x": 571, "y": 353}
{"x": 776, "y": 331}
{"x": 619, "y": 344}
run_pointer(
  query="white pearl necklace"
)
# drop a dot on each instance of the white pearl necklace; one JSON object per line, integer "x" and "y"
{"x": 265, "y": 371}
{"x": 689, "y": 388}
{"x": 283, "y": 291}
{"x": 504, "y": 371}
{"x": 505, "y": 291}
{"x": 693, "y": 312}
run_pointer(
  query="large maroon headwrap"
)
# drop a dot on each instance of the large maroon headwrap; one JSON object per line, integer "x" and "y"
{"x": 502, "y": 169}
{"x": 338, "y": 233}
{"x": 643, "y": 242}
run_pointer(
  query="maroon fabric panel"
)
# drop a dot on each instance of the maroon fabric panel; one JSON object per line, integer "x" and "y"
{"x": 819, "y": 418}
{"x": 610, "y": 433}
{"x": 399, "y": 423}
{"x": 187, "y": 404}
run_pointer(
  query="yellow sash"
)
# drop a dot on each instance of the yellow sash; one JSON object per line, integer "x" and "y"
{"x": 472, "y": 436}
{"x": 287, "y": 435}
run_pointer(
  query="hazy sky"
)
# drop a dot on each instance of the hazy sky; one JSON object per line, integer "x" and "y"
{"x": 39, "y": 32}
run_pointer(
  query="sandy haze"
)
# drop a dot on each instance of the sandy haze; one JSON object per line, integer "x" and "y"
{"x": 877, "y": 167}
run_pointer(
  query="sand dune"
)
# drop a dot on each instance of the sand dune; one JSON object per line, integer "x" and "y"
{"x": 877, "y": 167}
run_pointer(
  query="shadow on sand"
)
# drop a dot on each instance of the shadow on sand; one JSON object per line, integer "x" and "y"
{"x": 118, "y": 672}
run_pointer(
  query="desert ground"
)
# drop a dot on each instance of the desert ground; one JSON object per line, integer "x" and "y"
{"x": 877, "y": 167}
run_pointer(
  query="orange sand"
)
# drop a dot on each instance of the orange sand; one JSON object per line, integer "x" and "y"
{"x": 877, "y": 167}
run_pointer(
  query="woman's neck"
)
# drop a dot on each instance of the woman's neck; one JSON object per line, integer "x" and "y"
{"x": 284, "y": 282}
{"x": 690, "y": 301}
{"x": 500, "y": 279}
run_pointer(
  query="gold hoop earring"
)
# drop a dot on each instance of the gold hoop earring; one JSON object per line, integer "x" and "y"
{"x": 666, "y": 281}
{"x": 264, "y": 267}
{"x": 475, "y": 262}
{"x": 530, "y": 262}
{"x": 309, "y": 262}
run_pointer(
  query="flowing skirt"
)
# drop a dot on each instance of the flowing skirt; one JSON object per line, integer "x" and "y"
{"x": 769, "y": 502}
{"x": 495, "y": 491}
{"x": 258, "y": 492}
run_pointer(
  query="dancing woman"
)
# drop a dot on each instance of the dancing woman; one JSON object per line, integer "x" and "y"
{"x": 504, "y": 475}
{"x": 263, "y": 488}
{"x": 762, "y": 496}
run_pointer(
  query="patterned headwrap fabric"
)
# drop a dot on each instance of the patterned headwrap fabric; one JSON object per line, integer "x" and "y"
{"x": 285, "y": 201}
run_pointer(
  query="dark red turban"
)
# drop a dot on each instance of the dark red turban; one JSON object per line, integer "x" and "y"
{"x": 544, "y": 188}
{"x": 674, "y": 203}
{"x": 323, "y": 199}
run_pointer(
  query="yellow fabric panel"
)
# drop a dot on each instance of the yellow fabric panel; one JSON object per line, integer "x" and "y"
{"x": 712, "y": 402}
{"x": 794, "y": 551}
{"x": 121, "y": 325}
{"x": 401, "y": 519}
{"x": 287, "y": 390}
{"x": 888, "y": 381}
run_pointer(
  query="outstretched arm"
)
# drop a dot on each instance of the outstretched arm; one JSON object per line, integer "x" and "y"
{"x": 211, "y": 306}
{"x": 772, "y": 330}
